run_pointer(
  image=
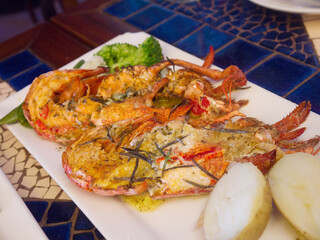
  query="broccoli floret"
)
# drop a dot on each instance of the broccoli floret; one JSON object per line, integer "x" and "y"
{"x": 149, "y": 52}
{"x": 120, "y": 55}
{"x": 117, "y": 55}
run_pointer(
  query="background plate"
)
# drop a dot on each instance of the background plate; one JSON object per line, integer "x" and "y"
{"x": 290, "y": 6}
{"x": 176, "y": 218}
{"x": 16, "y": 221}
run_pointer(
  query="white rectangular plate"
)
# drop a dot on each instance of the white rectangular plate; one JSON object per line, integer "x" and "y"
{"x": 176, "y": 218}
{"x": 16, "y": 221}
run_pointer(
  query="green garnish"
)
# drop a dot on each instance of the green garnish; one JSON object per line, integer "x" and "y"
{"x": 11, "y": 117}
{"x": 167, "y": 102}
{"x": 120, "y": 55}
{"x": 166, "y": 157}
{"x": 79, "y": 64}
{"x": 16, "y": 115}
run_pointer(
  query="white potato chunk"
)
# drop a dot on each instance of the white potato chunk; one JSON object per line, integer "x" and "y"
{"x": 239, "y": 206}
{"x": 94, "y": 62}
{"x": 295, "y": 188}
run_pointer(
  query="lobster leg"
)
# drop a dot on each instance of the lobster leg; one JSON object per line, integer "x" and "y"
{"x": 307, "y": 146}
{"x": 295, "y": 118}
{"x": 263, "y": 161}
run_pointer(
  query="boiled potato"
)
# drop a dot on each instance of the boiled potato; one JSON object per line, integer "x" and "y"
{"x": 295, "y": 187}
{"x": 239, "y": 206}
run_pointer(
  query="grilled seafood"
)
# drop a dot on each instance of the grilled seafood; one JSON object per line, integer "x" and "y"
{"x": 174, "y": 158}
{"x": 62, "y": 104}
{"x": 50, "y": 105}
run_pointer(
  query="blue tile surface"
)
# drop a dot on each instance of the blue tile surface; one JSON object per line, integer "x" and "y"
{"x": 16, "y": 64}
{"x": 83, "y": 236}
{"x": 58, "y": 232}
{"x": 63, "y": 220}
{"x": 308, "y": 91}
{"x": 83, "y": 223}
{"x": 284, "y": 31}
{"x": 199, "y": 42}
{"x": 175, "y": 28}
{"x": 60, "y": 212}
{"x": 126, "y": 7}
{"x": 149, "y": 17}
{"x": 280, "y": 75}
{"x": 25, "y": 78}
{"x": 37, "y": 208}
{"x": 242, "y": 54}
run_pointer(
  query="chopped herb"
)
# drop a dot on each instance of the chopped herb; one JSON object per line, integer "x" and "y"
{"x": 79, "y": 64}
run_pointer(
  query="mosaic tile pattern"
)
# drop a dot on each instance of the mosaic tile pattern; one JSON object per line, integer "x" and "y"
{"x": 58, "y": 216}
{"x": 256, "y": 24}
{"x": 63, "y": 220}
{"x": 24, "y": 172}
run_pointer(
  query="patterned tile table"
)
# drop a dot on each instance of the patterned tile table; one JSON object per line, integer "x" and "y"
{"x": 278, "y": 51}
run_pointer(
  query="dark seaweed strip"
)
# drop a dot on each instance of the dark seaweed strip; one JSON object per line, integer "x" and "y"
{"x": 173, "y": 65}
{"x": 93, "y": 140}
{"x": 136, "y": 165}
{"x": 175, "y": 141}
{"x": 71, "y": 101}
{"x": 137, "y": 154}
{"x": 108, "y": 134}
{"x": 101, "y": 100}
{"x": 204, "y": 170}
{"x": 197, "y": 184}
{"x": 134, "y": 171}
{"x": 133, "y": 180}
{"x": 125, "y": 133}
{"x": 227, "y": 130}
{"x": 181, "y": 166}
{"x": 139, "y": 144}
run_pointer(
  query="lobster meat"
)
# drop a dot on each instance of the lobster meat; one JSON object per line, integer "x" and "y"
{"x": 174, "y": 158}
{"x": 62, "y": 104}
